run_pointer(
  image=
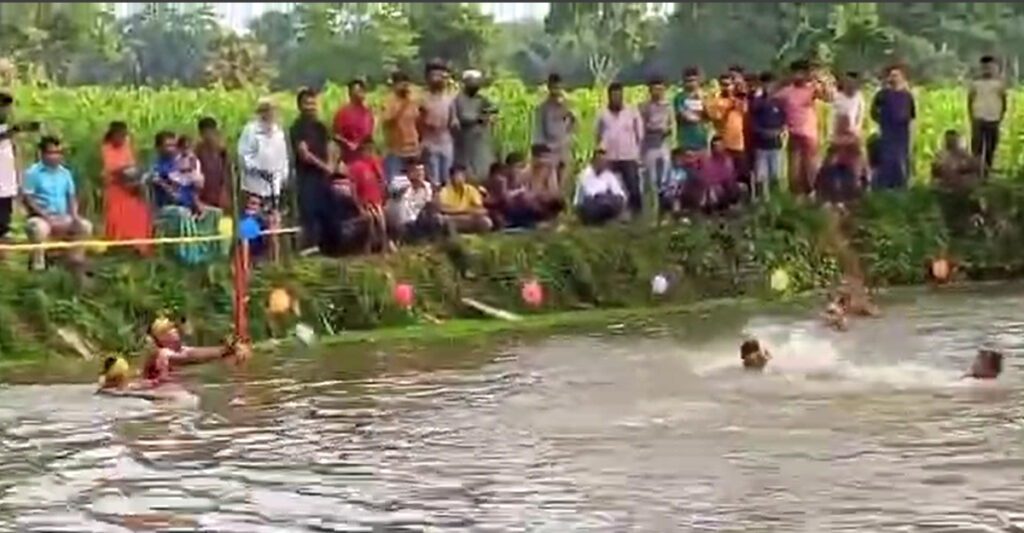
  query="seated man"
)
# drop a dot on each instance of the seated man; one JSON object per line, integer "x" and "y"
{"x": 366, "y": 175}
{"x": 496, "y": 199}
{"x": 717, "y": 186}
{"x": 49, "y": 196}
{"x": 413, "y": 215}
{"x": 954, "y": 168}
{"x": 462, "y": 204}
{"x": 348, "y": 229}
{"x": 599, "y": 197}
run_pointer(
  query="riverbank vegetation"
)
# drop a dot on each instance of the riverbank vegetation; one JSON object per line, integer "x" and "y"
{"x": 896, "y": 234}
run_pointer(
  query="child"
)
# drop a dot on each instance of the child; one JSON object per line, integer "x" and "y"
{"x": 253, "y": 220}
{"x": 187, "y": 176}
{"x": 988, "y": 364}
{"x": 367, "y": 178}
{"x": 754, "y": 357}
{"x": 673, "y": 185}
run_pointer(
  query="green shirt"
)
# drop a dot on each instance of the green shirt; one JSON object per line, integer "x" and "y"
{"x": 690, "y": 136}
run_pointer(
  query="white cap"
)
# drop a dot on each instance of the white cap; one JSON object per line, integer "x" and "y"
{"x": 472, "y": 74}
{"x": 265, "y": 102}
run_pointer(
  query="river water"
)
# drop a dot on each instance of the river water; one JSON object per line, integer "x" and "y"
{"x": 646, "y": 426}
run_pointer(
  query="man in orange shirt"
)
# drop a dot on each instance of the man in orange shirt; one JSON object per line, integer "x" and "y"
{"x": 728, "y": 111}
{"x": 401, "y": 126}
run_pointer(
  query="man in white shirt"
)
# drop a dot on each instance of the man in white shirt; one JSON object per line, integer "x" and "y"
{"x": 849, "y": 101}
{"x": 9, "y": 183}
{"x": 263, "y": 153}
{"x": 600, "y": 197}
{"x": 413, "y": 213}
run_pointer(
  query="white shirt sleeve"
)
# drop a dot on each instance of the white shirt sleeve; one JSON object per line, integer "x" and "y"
{"x": 584, "y": 177}
{"x": 248, "y": 148}
{"x": 615, "y": 185}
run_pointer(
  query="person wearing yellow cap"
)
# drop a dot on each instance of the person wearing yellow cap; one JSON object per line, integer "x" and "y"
{"x": 168, "y": 352}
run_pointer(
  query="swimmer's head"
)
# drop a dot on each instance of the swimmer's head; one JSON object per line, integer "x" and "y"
{"x": 165, "y": 332}
{"x": 116, "y": 372}
{"x": 752, "y": 355}
{"x": 988, "y": 364}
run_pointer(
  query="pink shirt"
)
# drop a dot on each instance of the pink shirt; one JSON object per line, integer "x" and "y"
{"x": 801, "y": 110}
{"x": 620, "y": 133}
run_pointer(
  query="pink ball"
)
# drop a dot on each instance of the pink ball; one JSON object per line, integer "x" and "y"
{"x": 533, "y": 293}
{"x": 403, "y": 295}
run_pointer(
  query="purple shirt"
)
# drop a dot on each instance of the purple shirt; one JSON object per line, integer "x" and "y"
{"x": 619, "y": 134}
{"x": 717, "y": 171}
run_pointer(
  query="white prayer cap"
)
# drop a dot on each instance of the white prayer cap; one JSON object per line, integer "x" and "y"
{"x": 265, "y": 102}
{"x": 472, "y": 74}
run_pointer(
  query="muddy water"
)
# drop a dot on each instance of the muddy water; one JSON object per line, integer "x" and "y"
{"x": 633, "y": 428}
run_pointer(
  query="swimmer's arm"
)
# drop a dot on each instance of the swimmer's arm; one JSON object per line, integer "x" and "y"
{"x": 200, "y": 355}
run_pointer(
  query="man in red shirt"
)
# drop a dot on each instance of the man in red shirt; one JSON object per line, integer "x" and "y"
{"x": 353, "y": 123}
{"x": 367, "y": 177}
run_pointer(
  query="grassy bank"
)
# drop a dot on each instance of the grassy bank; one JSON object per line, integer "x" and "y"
{"x": 582, "y": 270}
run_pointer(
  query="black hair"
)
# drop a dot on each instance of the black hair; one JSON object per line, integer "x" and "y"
{"x": 715, "y": 138}
{"x": 995, "y": 357}
{"x": 800, "y": 64}
{"x": 409, "y": 162}
{"x": 691, "y": 72}
{"x": 514, "y": 158}
{"x": 655, "y": 79}
{"x": 766, "y": 77}
{"x": 554, "y": 79}
{"x": 206, "y": 124}
{"x": 108, "y": 363}
{"x": 184, "y": 141}
{"x": 614, "y": 87}
{"x": 435, "y": 65}
{"x": 356, "y": 82}
{"x": 304, "y": 93}
{"x": 539, "y": 150}
{"x": 399, "y": 76}
{"x": 497, "y": 167}
{"x": 893, "y": 67}
{"x": 749, "y": 347}
{"x": 6, "y": 99}
{"x": 48, "y": 141}
{"x": 986, "y": 59}
{"x": 853, "y": 74}
{"x": 162, "y": 136}
{"x": 456, "y": 168}
{"x": 117, "y": 127}
{"x": 951, "y": 132}
{"x": 677, "y": 152}
{"x": 736, "y": 68}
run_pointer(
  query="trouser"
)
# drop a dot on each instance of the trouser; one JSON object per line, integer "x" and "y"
{"x": 439, "y": 165}
{"x": 6, "y": 207}
{"x": 767, "y": 171}
{"x": 629, "y": 173}
{"x": 739, "y": 164}
{"x": 656, "y": 164}
{"x": 393, "y": 166}
{"x": 40, "y": 230}
{"x": 893, "y": 160}
{"x": 600, "y": 209}
{"x": 985, "y": 141}
{"x": 313, "y": 214}
{"x": 803, "y": 162}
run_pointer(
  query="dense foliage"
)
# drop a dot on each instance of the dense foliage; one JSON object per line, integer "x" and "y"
{"x": 168, "y": 43}
{"x": 81, "y": 115}
{"x": 896, "y": 234}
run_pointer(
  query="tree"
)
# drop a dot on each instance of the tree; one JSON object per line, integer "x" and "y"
{"x": 456, "y": 32}
{"x": 235, "y": 62}
{"x": 166, "y": 44}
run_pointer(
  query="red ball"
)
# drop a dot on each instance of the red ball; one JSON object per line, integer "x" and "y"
{"x": 403, "y": 295}
{"x": 532, "y": 293}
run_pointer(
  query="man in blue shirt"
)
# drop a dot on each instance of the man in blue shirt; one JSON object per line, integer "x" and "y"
{"x": 49, "y": 195}
{"x": 768, "y": 118}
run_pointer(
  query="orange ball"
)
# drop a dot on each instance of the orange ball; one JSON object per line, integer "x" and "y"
{"x": 280, "y": 302}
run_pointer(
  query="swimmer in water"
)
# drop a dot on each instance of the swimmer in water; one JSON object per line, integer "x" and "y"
{"x": 754, "y": 357}
{"x": 988, "y": 364}
{"x": 166, "y": 355}
{"x": 835, "y": 312}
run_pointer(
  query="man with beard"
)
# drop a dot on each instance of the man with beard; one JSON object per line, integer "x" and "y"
{"x": 437, "y": 118}
{"x": 309, "y": 138}
{"x": 474, "y": 117}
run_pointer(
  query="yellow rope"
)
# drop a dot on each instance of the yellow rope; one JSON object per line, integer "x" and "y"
{"x": 59, "y": 245}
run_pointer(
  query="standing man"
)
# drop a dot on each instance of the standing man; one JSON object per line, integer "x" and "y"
{"x": 554, "y": 125}
{"x": 691, "y": 118}
{"x": 353, "y": 123}
{"x": 800, "y": 102}
{"x": 401, "y": 126}
{"x": 474, "y": 115}
{"x": 52, "y": 203}
{"x": 9, "y": 179}
{"x": 768, "y": 122}
{"x": 437, "y": 117}
{"x": 894, "y": 111}
{"x": 986, "y": 100}
{"x": 619, "y": 133}
{"x": 309, "y": 140}
{"x": 263, "y": 157}
{"x": 728, "y": 111}
{"x": 849, "y": 102}
{"x": 218, "y": 185}
{"x": 656, "y": 114}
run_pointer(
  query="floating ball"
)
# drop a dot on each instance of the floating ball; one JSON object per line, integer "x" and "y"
{"x": 403, "y": 295}
{"x": 941, "y": 270}
{"x": 280, "y": 302}
{"x": 779, "y": 280}
{"x": 532, "y": 293}
{"x": 659, "y": 285}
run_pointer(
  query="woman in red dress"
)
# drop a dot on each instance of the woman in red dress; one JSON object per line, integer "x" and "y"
{"x": 126, "y": 211}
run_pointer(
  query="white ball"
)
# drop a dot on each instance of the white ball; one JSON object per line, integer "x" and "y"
{"x": 659, "y": 285}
